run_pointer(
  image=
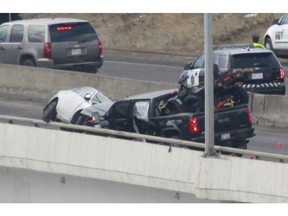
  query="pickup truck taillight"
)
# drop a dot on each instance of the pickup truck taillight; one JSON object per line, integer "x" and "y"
{"x": 47, "y": 51}
{"x": 193, "y": 125}
{"x": 249, "y": 115}
{"x": 282, "y": 73}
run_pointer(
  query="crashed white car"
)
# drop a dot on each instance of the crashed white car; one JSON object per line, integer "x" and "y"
{"x": 66, "y": 105}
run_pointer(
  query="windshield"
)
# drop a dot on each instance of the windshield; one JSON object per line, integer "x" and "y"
{"x": 100, "y": 98}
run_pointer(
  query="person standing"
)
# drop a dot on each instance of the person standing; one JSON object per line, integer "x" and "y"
{"x": 255, "y": 40}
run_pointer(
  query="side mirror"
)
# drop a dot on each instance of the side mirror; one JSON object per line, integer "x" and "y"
{"x": 188, "y": 66}
{"x": 275, "y": 22}
{"x": 87, "y": 96}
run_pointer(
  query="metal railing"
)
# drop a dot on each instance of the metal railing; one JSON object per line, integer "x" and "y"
{"x": 160, "y": 140}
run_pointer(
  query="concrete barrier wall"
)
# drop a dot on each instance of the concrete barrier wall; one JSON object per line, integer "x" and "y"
{"x": 104, "y": 158}
{"x": 242, "y": 180}
{"x": 270, "y": 110}
{"x": 257, "y": 106}
{"x": 144, "y": 164}
{"x": 44, "y": 83}
{"x": 275, "y": 112}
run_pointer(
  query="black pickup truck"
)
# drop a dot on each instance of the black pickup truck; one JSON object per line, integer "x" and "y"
{"x": 147, "y": 114}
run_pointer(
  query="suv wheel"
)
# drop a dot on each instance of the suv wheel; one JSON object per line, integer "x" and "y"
{"x": 29, "y": 62}
{"x": 91, "y": 69}
{"x": 268, "y": 44}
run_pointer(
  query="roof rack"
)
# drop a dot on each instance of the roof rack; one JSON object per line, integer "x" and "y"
{"x": 231, "y": 46}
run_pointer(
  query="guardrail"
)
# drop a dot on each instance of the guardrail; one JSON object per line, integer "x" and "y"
{"x": 168, "y": 141}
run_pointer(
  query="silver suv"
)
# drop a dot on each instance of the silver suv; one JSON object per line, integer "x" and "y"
{"x": 59, "y": 43}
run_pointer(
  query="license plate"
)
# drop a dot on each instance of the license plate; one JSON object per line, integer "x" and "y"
{"x": 76, "y": 52}
{"x": 225, "y": 136}
{"x": 257, "y": 76}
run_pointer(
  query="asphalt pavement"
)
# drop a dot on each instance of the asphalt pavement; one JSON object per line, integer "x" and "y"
{"x": 148, "y": 58}
{"x": 156, "y": 58}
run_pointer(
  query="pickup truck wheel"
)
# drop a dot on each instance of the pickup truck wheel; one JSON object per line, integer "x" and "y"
{"x": 49, "y": 112}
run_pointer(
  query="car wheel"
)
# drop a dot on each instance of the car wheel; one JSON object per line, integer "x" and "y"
{"x": 268, "y": 44}
{"x": 29, "y": 62}
{"x": 49, "y": 112}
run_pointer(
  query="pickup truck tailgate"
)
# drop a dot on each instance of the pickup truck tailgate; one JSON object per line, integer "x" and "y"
{"x": 232, "y": 125}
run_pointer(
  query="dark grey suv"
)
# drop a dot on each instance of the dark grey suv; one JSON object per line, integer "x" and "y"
{"x": 60, "y": 43}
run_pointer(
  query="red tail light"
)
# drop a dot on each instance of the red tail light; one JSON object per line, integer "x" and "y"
{"x": 249, "y": 115}
{"x": 63, "y": 28}
{"x": 100, "y": 47}
{"x": 228, "y": 78}
{"x": 47, "y": 50}
{"x": 93, "y": 118}
{"x": 193, "y": 125}
{"x": 282, "y": 73}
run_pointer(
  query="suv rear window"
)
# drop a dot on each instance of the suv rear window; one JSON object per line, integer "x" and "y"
{"x": 253, "y": 60}
{"x": 72, "y": 32}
